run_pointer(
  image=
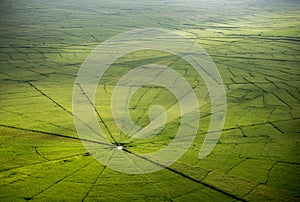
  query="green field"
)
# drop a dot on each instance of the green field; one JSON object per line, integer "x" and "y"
{"x": 255, "y": 45}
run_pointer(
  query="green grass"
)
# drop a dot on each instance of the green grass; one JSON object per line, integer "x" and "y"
{"x": 255, "y": 46}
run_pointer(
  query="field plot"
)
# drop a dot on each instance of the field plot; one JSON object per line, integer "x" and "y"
{"x": 255, "y": 46}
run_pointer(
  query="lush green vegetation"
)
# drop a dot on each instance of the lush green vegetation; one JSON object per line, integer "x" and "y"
{"x": 255, "y": 45}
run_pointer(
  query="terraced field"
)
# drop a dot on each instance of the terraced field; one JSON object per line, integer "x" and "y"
{"x": 255, "y": 46}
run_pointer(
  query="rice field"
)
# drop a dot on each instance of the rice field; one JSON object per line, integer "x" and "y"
{"x": 255, "y": 47}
